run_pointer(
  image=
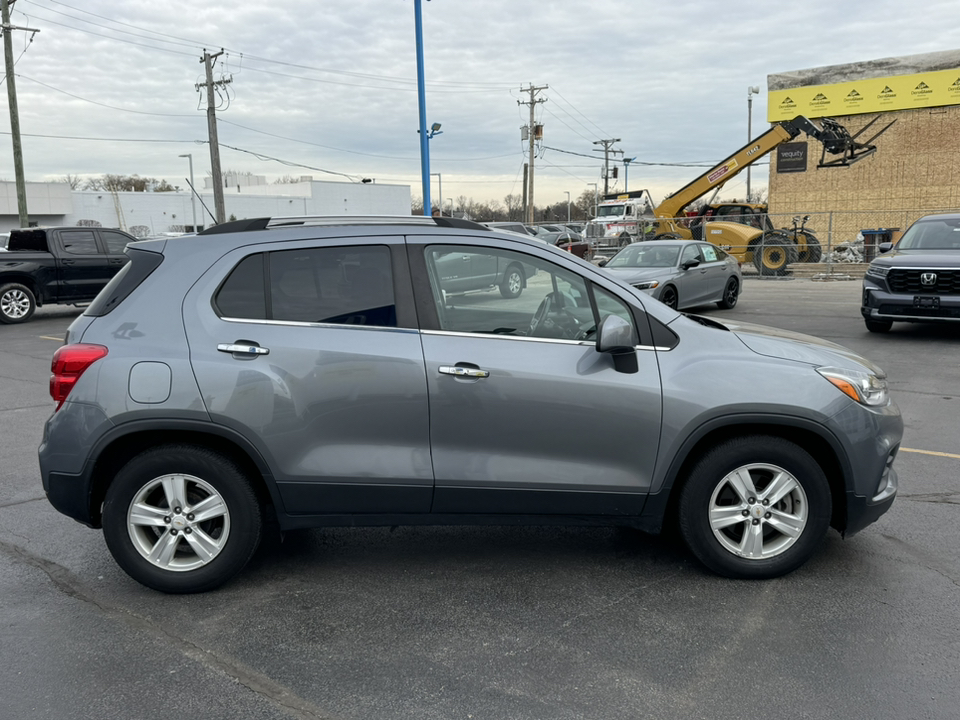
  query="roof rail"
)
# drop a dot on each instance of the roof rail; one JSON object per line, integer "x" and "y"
{"x": 334, "y": 220}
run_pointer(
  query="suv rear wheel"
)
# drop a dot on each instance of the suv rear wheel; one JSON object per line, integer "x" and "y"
{"x": 181, "y": 519}
{"x": 755, "y": 507}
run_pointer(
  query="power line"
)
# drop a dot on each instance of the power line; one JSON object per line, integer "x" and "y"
{"x": 261, "y": 156}
{"x": 96, "y": 139}
{"x": 94, "y": 102}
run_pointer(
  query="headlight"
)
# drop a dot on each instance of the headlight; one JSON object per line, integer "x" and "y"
{"x": 647, "y": 285}
{"x": 859, "y": 385}
{"x": 878, "y": 270}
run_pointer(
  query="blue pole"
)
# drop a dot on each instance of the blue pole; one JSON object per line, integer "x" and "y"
{"x": 424, "y": 140}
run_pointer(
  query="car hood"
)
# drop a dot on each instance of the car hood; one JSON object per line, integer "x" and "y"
{"x": 631, "y": 275}
{"x": 774, "y": 342}
{"x": 918, "y": 259}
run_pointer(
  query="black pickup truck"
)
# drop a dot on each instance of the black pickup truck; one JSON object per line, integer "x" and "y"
{"x": 57, "y": 265}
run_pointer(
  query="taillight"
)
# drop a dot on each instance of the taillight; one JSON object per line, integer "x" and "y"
{"x": 69, "y": 363}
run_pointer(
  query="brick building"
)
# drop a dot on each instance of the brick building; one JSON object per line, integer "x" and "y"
{"x": 916, "y": 168}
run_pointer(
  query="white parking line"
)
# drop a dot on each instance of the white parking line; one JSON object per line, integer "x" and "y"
{"x": 930, "y": 452}
{"x": 47, "y": 337}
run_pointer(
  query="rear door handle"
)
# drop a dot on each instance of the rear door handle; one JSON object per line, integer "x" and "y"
{"x": 467, "y": 372}
{"x": 246, "y": 349}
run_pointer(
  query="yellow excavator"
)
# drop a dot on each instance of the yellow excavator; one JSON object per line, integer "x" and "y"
{"x": 771, "y": 251}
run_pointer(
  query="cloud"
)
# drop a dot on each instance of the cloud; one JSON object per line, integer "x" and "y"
{"x": 670, "y": 80}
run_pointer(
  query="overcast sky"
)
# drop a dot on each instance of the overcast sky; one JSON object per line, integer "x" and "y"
{"x": 332, "y": 85}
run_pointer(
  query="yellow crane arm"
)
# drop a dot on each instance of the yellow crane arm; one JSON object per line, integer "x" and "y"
{"x": 835, "y": 138}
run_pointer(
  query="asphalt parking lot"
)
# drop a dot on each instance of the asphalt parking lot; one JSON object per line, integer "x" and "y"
{"x": 501, "y": 622}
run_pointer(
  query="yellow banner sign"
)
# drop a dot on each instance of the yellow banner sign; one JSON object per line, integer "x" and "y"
{"x": 900, "y": 92}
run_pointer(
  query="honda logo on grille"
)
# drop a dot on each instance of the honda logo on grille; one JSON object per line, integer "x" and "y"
{"x": 928, "y": 279}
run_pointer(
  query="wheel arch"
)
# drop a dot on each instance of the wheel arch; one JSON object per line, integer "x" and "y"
{"x": 27, "y": 281}
{"x": 822, "y": 445}
{"x": 127, "y": 441}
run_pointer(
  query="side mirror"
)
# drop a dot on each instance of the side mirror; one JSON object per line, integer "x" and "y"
{"x": 690, "y": 264}
{"x": 885, "y": 247}
{"x": 619, "y": 338}
{"x": 602, "y": 262}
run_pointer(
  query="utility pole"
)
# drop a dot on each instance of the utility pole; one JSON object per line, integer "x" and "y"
{"x": 526, "y": 186}
{"x": 606, "y": 158}
{"x": 207, "y": 61}
{"x": 532, "y": 137}
{"x": 14, "y": 112}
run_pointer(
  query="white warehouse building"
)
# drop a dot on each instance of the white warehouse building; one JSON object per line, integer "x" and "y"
{"x": 153, "y": 213}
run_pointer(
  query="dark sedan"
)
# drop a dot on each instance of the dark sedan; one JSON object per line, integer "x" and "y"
{"x": 918, "y": 279}
{"x": 570, "y": 242}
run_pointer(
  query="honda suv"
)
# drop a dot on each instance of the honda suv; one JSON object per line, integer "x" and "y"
{"x": 320, "y": 371}
{"x": 919, "y": 281}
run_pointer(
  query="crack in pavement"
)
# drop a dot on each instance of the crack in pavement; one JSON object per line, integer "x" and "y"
{"x": 20, "y": 502}
{"x": 943, "y": 498}
{"x": 255, "y": 681}
{"x": 926, "y": 559}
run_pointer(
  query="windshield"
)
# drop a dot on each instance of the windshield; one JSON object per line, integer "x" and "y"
{"x": 652, "y": 254}
{"x": 609, "y": 210}
{"x": 939, "y": 234}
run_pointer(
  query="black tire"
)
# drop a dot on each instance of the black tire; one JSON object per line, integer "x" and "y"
{"x": 667, "y": 236}
{"x": 719, "y": 490}
{"x": 512, "y": 284}
{"x": 624, "y": 239}
{"x": 878, "y": 326}
{"x": 17, "y": 303}
{"x": 773, "y": 254}
{"x": 812, "y": 253}
{"x": 669, "y": 297}
{"x": 731, "y": 293}
{"x": 202, "y": 553}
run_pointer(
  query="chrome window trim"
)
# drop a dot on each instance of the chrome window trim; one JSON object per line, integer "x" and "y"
{"x": 553, "y": 341}
{"x": 298, "y": 323}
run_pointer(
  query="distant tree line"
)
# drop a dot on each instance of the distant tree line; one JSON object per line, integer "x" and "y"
{"x": 119, "y": 183}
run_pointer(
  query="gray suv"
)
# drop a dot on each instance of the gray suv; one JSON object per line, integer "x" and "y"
{"x": 320, "y": 372}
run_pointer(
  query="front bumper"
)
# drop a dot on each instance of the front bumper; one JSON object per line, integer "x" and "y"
{"x": 878, "y": 303}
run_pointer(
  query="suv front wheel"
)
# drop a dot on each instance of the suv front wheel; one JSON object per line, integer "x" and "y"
{"x": 181, "y": 519}
{"x": 755, "y": 507}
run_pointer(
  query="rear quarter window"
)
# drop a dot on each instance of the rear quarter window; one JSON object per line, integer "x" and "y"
{"x": 128, "y": 279}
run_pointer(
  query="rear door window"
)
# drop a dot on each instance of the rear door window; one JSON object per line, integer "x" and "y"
{"x": 337, "y": 285}
{"x": 79, "y": 242}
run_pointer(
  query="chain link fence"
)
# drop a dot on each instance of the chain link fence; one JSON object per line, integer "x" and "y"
{"x": 777, "y": 244}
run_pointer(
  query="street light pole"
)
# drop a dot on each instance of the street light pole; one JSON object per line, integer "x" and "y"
{"x": 626, "y": 173}
{"x": 193, "y": 198}
{"x": 568, "y": 204}
{"x": 421, "y": 94}
{"x": 451, "y": 206}
{"x": 751, "y": 91}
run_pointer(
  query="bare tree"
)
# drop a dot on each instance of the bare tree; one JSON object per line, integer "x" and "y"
{"x": 73, "y": 181}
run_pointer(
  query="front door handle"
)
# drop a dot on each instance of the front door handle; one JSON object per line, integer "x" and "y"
{"x": 245, "y": 349}
{"x": 466, "y": 372}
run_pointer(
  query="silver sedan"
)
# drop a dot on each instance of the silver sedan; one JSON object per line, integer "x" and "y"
{"x": 679, "y": 273}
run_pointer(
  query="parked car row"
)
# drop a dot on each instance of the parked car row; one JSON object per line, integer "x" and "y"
{"x": 564, "y": 237}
